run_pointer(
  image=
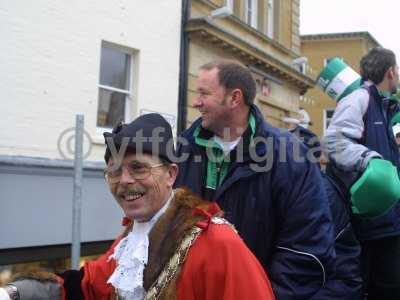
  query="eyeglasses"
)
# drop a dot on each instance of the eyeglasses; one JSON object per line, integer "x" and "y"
{"x": 139, "y": 171}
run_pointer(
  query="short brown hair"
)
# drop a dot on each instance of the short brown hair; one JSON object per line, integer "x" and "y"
{"x": 375, "y": 63}
{"x": 233, "y": 75}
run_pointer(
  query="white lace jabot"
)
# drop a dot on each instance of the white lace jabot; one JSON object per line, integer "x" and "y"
{"x": 131, "y": 255}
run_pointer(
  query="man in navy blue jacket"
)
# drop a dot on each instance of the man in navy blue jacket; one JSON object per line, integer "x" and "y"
{"x": 261, "y": 178}
{"x": 360, "y": 131}
{"x": 346, "y": 284}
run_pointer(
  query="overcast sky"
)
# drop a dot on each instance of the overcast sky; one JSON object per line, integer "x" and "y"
{"x": 380, "y": 18}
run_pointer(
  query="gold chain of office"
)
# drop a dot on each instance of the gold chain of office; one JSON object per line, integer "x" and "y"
{"x": 171, "y": 269}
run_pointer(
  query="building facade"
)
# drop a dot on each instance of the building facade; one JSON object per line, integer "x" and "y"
{"x": 112, "y": 61}
{"x": 261, "y": 34}
{"x": 108, "y": 60}
{"x": 318, "y": 48}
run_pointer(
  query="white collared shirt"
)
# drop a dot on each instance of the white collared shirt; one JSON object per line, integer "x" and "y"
{"x": 131, "y": 255}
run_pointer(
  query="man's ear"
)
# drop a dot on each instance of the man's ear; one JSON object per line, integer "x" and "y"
{"x": 236, "y": 98}
{"x": 390, "y": 73}
{"x": 172, "y": 174}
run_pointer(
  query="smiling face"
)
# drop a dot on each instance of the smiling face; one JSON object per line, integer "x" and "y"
{"x": 212, "y": 101}
{"x": 141, "y": 199}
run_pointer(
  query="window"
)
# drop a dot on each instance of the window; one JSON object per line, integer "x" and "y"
{"x": 328, "y": 113}
{"x": 251, "y": 13}
{"x": 270, "y": 18}
{"x": 115, "y": 85}
{"x": 303, "y": 67}
{"x": 229, "y": 4}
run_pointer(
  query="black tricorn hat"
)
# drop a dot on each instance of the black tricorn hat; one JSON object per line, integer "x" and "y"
{"x": 149, "y": 133}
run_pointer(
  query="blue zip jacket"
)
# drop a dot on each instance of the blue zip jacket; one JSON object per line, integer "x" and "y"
{"x": 278, "y": 205}
{"x": 346, "y": 283}
{"x": 378, "y": 136}
{"x": 359, "y": 131}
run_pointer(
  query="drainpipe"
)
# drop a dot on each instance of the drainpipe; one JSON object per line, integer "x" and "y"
{"x": 183, "y": 68}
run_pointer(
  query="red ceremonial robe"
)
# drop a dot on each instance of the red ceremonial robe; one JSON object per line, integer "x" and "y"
{"x": 218, "y": 265}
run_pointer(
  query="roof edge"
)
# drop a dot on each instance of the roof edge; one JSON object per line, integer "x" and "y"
{"x": 337, "y": 35}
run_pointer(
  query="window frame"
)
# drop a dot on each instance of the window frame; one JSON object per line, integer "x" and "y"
{"x": 326, "y": 119}
{"x": 303, "y": 67}
{"x": 270, "y": 18}
{"x": 253, "y": 22}
{"x": 229, "y": 4}
{"x": 128, "y": 93}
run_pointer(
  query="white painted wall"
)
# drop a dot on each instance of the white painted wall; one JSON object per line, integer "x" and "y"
{"x": 50, "y": 62}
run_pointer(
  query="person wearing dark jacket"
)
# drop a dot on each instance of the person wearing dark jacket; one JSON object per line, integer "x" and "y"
{"x": 258, "y": 175}
{"x": 346, "y": 283}
{"x": 359, "y": 133}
